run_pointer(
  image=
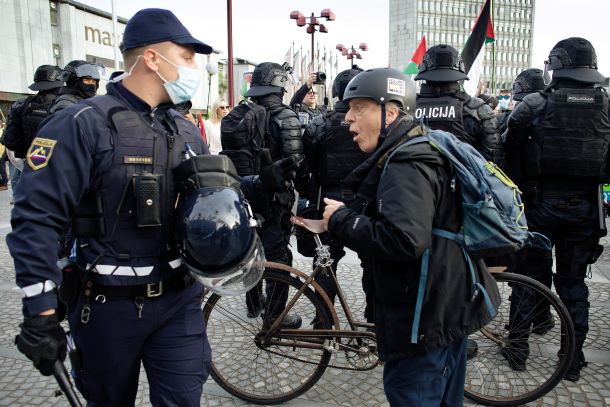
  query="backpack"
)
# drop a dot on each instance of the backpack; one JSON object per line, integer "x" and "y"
{"x": 242, "y": 134}
{"x": 493, "y": 218}
{"x": 28, "y": 113}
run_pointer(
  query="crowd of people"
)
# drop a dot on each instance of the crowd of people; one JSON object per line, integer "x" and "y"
{"x": 158, "y": 213}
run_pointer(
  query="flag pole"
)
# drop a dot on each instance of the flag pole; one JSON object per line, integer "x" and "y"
{"x": 493, "y": 57}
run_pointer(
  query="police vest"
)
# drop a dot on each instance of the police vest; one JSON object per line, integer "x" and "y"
{"x": 443, "y": 113}
{"x": 339, "y": 154}
{"x": 574, "y": 133}
{"x": 125, "y": 224}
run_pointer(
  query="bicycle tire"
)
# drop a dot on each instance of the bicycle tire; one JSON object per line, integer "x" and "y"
{"x": 490, "y": 380}
{"x": 252, "y": 373}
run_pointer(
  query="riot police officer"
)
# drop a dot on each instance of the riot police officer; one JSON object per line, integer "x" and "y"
{"x": 448, "y": 108}
{"x": 82, "y": 81}
{"x": 563, "y": 134}
{"x": 283, "y": 139}
{"x": 528, "y": 81}
{"x": 331, "y": 155}
{"x": 26, "y": 114}
{"x": 108, "y": 163}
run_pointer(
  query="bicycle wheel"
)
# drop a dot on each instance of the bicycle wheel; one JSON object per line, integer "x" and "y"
{"x": 264, "y": 374}
{"x": 522, "y": 353}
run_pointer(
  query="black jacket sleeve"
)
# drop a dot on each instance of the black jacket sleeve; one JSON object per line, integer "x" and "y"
{"x": 519, "y": 122}
{"x": 298, "y": 97}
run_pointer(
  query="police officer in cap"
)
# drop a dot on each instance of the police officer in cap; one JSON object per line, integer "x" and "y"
{"x": 108, "y": 163}
{"x": 446, "y": 107}
{"x": 26, "y": 114}
{"x": 563, "y": 134}
{"x": 331, "y": 155}
{"x": 82, "y": 81}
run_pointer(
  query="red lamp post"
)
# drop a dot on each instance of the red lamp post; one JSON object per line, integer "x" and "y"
{"x": 351, "y": 52}
{"x": 301, "y": 21}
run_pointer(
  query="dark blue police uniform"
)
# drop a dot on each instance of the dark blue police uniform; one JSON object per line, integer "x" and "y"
{"x": 137, "y": 304}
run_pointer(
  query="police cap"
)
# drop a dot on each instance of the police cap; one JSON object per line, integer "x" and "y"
{"x": 47, "y": 77}
{"x": 442, "y": 63}
{"x": 155, "y": 25}
{"x": 574, "y": 58}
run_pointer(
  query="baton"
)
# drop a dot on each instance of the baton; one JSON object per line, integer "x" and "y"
{"x": 61, "y": 375}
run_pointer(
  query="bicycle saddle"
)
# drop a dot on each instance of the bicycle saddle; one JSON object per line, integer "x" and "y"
{"x": 313, "y": 225}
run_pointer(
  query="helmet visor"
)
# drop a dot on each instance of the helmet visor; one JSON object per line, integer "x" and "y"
{"x": 91, "y": 70}
{"x": 239, "y": 279}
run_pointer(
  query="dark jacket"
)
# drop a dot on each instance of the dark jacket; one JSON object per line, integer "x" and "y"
{"x": 296, "y": 103}
{"x": 390, "y": 224}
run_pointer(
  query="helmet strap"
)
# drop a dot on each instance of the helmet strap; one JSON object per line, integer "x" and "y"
{"x": 383, "y": 127}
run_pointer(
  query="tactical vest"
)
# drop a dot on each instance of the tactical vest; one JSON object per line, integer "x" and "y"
{"x": 34, "y": 112}
{"x": 443, "y": 113}
{"x": 339, "y": 154}
{"x": 574, "y": 133}
{"x": 135, "y": 242}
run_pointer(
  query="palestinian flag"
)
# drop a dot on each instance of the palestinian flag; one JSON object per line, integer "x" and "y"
{"x": 482, "y": 33}
{"x": 417, "y": 58}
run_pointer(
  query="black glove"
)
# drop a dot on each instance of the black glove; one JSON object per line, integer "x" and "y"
{"x": 276, "y": 176}
{"x": 43, "y": 341}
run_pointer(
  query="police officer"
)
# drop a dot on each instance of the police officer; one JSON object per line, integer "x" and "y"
{"x": 448, "y": 108}
{"x": 283, "y": 139}
{"x": 563, "y": 133}
{"x": 528, "y": 81}
{"x": 26, "y": 114}
{"x": 108, "y": 163}
{"x": 331, "y": 155}
{"x": 82, "y": 81}
{"x": 399, "y": 202}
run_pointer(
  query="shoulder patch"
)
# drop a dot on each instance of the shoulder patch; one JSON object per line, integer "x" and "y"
{"x": 40, "y": 152}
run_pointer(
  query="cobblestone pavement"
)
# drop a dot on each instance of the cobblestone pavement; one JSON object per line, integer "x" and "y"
{"x": 21, "y": 385}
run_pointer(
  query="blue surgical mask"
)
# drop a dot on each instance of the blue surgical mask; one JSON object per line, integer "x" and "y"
{"x": 183, "y": 88}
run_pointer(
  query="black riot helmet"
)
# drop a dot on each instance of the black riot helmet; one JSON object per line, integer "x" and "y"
{"x": 215, "y": 227}
{"x": 267, "y": 78}
{"x": 528, "y": 81}
{"x": 77, "y": 69}
{"x": 442, "y": 63}
{"x": 383, "y": 85}
{"x": 341, "y": 81}
{"x": 574, "y": 58}
{"x": 47, "y": 77}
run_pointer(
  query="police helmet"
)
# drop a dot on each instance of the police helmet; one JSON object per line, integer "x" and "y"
{"x": 215, "y": 227}
{"x": 442, "y": 63}
{"x": 383, "y": 85}
{"x": 267, "y": 78}
{"x": 574, "y": 58}
{"x": 77, "y": 69}
{"x": 528, "y": 81}
{"x": 47, "y": 77}
{"x": 341, "y": 81}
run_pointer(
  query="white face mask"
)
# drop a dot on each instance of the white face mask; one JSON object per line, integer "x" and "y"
{"x": 184, "y": 88}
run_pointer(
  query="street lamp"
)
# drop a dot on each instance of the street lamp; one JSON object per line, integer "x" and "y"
{"x": 351, "y": 52}
{"x": 301, "y": 21}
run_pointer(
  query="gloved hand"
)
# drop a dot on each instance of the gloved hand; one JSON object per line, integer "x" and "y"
{"x": 276, "y": 176}
{"x": 43, "y": 341}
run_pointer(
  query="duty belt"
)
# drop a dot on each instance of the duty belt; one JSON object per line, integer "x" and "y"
{"x": 152, "y": 290}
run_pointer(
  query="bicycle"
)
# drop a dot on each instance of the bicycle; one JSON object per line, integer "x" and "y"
{"x": 260, "y": 362}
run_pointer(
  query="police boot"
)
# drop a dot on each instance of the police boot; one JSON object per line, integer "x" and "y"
{"x": 255, "y": 300}
{"x": 471, "y": 349}
{"x": 543, "y": 322}
{"x": 573, "y": 373}
{"x": 291, "y": 321}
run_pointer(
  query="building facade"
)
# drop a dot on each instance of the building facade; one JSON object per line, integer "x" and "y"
{"x": 55, "y": 32}
{"x": 450, "y": 22}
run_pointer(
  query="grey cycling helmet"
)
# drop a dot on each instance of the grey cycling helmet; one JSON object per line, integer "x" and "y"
{"x": 383, "y": 85}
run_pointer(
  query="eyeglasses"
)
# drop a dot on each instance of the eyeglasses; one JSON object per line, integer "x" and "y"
{"x": 503, "y": 97}
{"x": 311, "y": 92}
{"x": 223, "y": 107}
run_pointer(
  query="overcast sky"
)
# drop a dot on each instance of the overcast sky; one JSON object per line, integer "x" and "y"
{"x": 263, "y": 31}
